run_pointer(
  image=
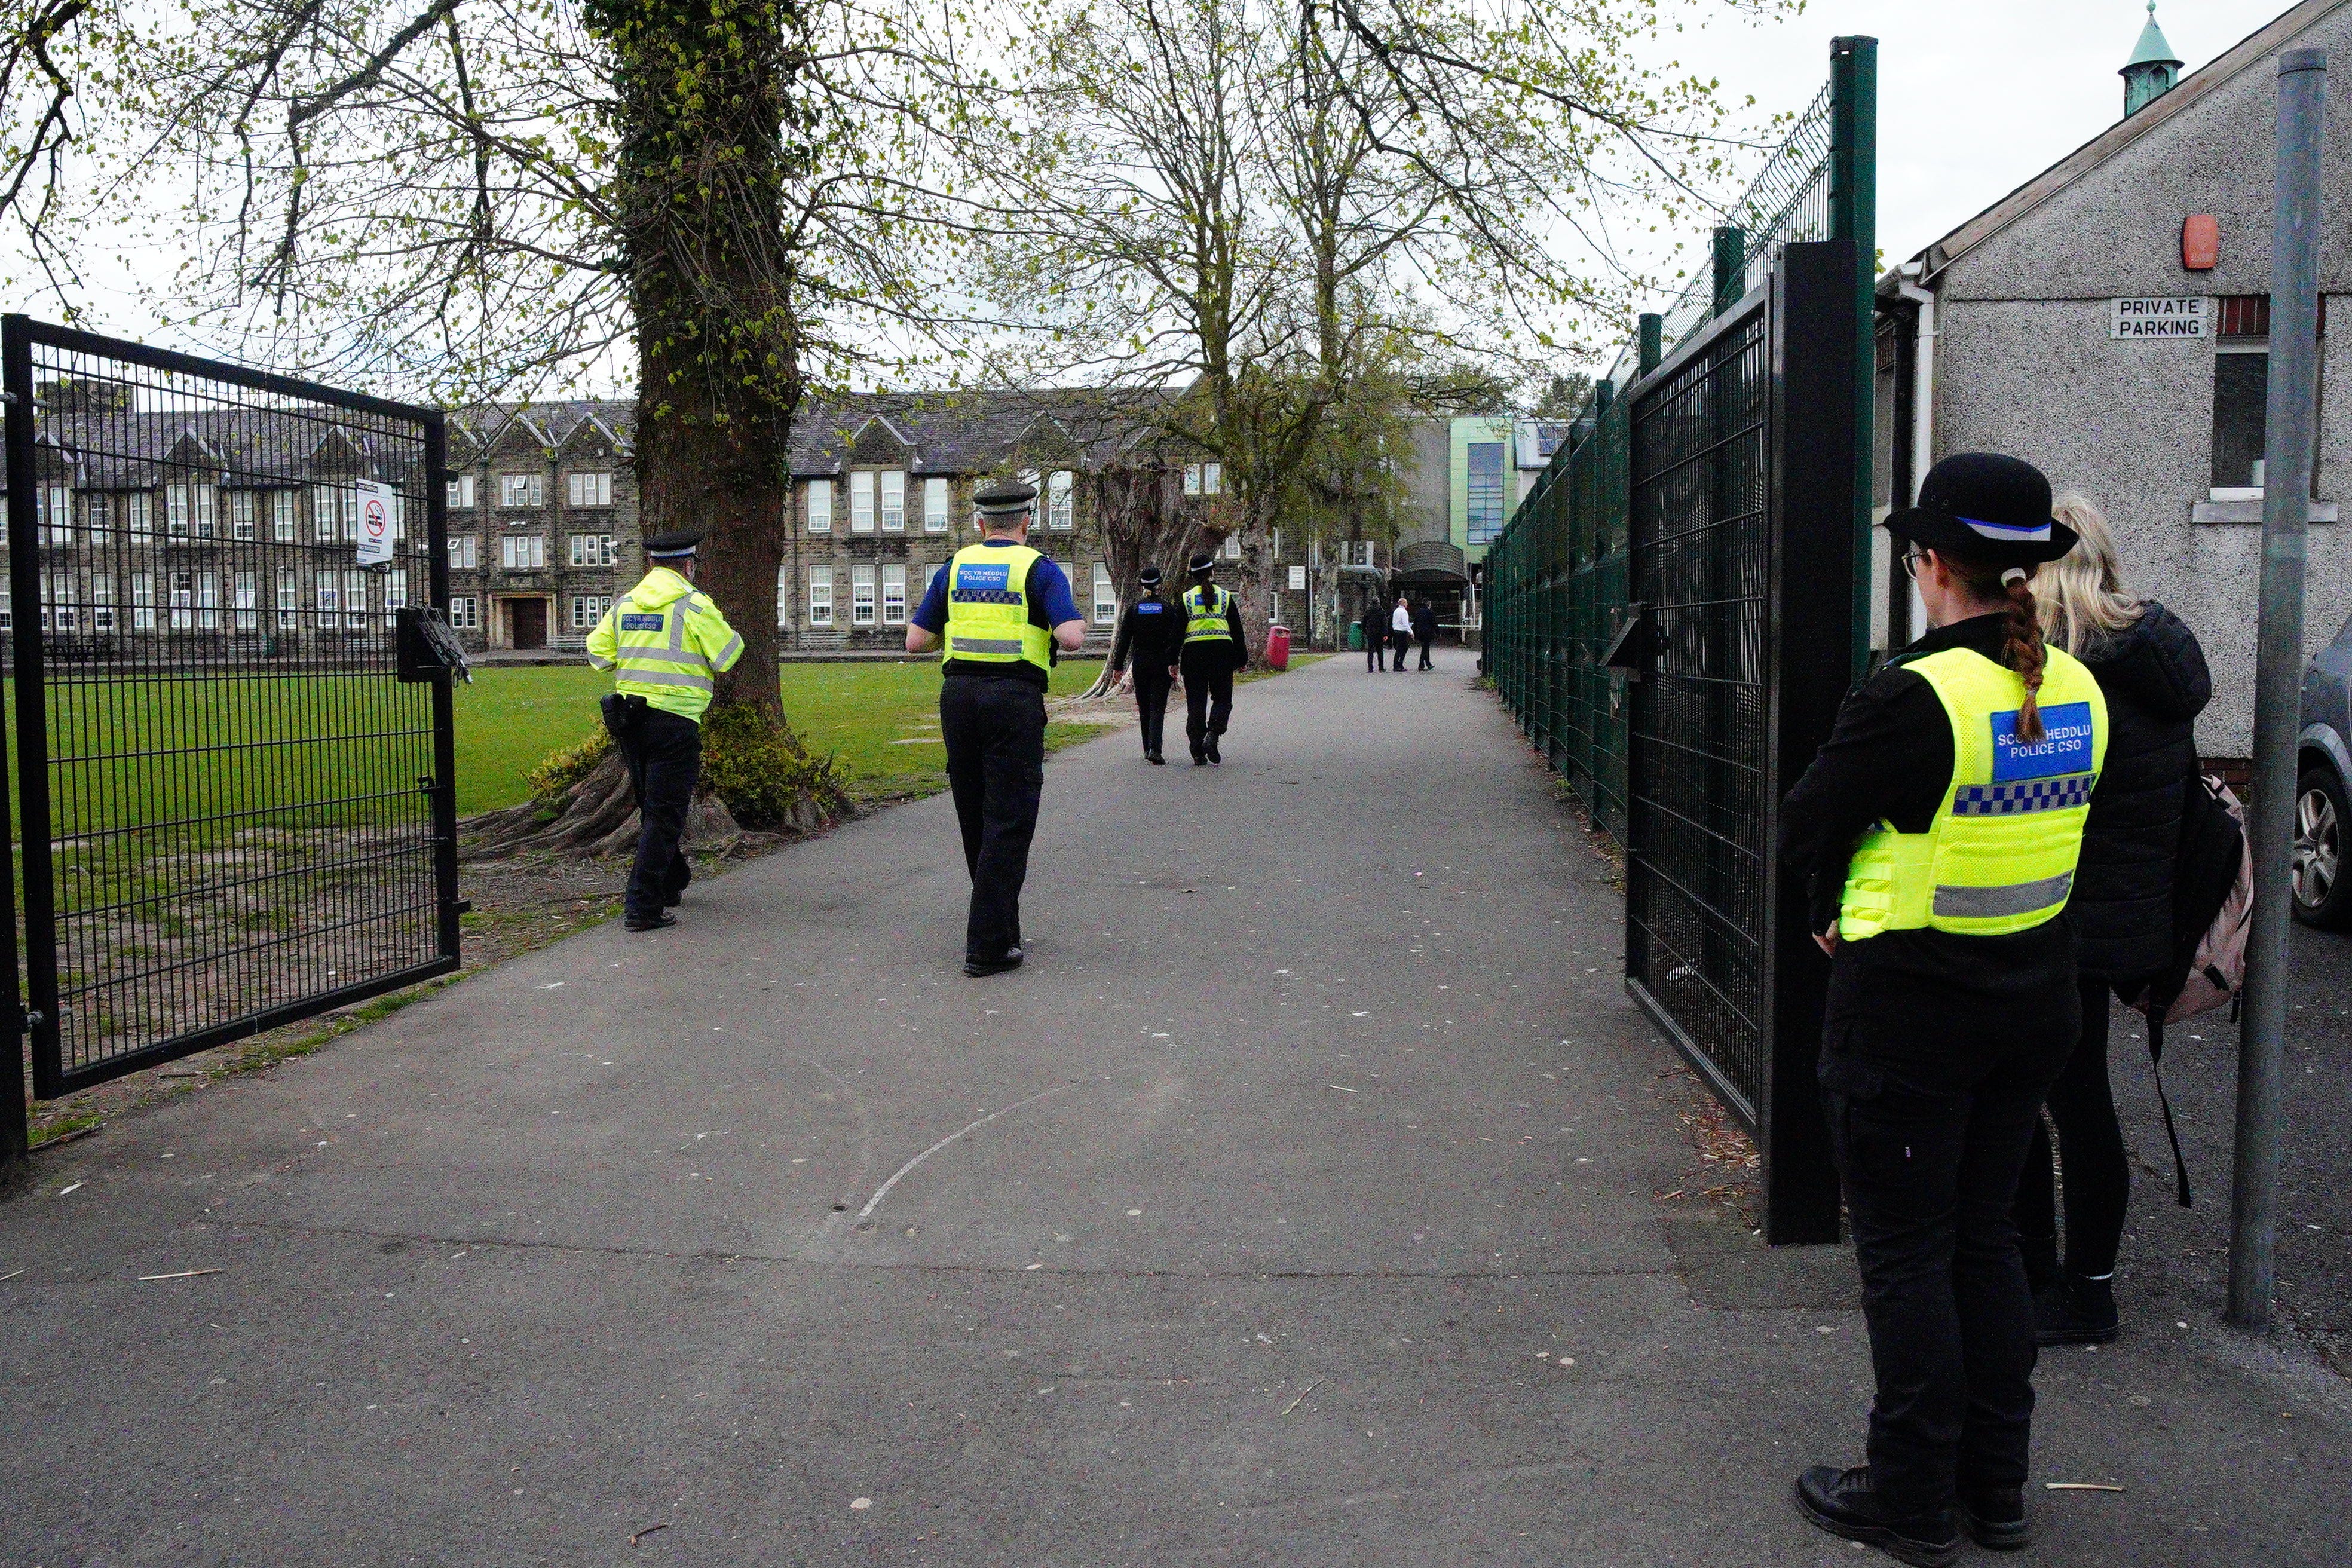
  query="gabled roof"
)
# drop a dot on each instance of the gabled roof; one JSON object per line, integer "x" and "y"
{"x": 977, "y": 432}
{"x": 2193, "y": 89}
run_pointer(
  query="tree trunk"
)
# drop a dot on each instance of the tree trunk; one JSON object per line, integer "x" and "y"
{"x": 1144, "y": 524}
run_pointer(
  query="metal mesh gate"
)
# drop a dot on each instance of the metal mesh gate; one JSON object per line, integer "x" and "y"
{"x": 233, "y": 807}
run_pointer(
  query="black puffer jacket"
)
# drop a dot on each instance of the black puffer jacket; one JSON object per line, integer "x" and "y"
{"x": 2154, "y": 677}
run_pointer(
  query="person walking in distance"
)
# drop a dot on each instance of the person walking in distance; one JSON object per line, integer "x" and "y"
{"x": 1376, "y": 636}
{"x": 1939, "y": 829}
{"x": 1425, "y": 629}
{"x": 2149, "y": 664}
{"x": 1151, "y": 630}
{"x": 1002, "y": 609}
{"x": 1213, "y": 649}
{"x": 1399, "y": 634}
{"x": 668, "y": 645}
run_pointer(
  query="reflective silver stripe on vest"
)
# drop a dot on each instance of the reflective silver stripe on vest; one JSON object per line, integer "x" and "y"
{"x": 727, "y": 655}
{"x": 663, "y": 677}
{"x": 638, "y": 656}
{"x": 2012, "y": 899}
{"x": 987, "y": 645}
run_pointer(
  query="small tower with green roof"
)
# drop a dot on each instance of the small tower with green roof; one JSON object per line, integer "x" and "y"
{"x": 2152, "y": 70}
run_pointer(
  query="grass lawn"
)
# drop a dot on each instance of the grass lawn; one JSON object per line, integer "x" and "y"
{"x": 881, "y": 719}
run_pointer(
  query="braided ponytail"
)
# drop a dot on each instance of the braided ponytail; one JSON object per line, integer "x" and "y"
{"x": 2021, "y": 651}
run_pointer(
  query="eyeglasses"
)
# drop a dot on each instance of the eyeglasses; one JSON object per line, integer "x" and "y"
{"x": 1911, "y": 563}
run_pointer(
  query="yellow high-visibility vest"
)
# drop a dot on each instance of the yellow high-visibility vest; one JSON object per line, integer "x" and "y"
{"x": 2000, "y": 856}
{"x": 987, "y": 608}
{"x": 1207, "y": 609}
{"x": 667, "y": 642}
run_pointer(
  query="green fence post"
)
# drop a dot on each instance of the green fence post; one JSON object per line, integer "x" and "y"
{"x": 1653, "y": 328}
{"x": 1730, "y": 266}
{"x": 1853, "y": 214}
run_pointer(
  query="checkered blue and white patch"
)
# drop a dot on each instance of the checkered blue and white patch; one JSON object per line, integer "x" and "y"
{"x": 2035, "y": 795}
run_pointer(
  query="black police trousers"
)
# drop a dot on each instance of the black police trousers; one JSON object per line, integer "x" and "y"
{"x": 995, "y": 731}
{"x": 1930, "y": 1152}
{"x": 1151, "y": 684}
{"x": 1208, "y": 692}
{"x": 664, "y": 753}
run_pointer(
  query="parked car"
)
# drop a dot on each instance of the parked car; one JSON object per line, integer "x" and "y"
{"x": 2323, "y": 804}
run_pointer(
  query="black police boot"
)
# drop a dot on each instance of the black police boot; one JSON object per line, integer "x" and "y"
{"x": 2077, "y": 1311}
{"x": 1995, "y": 1518}
{"x": 1842, "y": 1502}
{"x": 660, "y": 921}
{"x": 1213, "y": 757}
{"x": 979, "y": 967}
{"x": 1200, "y": 758}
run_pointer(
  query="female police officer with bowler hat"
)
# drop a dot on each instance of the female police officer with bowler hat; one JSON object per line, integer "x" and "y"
{"x": 1940, "y": 825}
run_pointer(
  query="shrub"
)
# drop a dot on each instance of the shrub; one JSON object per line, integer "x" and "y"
{"x": 759, "y": 767}
{"x": 560, "y": 770}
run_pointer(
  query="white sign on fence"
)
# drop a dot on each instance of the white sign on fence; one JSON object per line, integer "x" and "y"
{"x": 379, "y": 521}
{"x": 1298, "y": 579}
{"x": 2158, "y": 318}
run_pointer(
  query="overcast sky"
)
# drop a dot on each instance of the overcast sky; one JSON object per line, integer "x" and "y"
{"x": 1976, "y": 97}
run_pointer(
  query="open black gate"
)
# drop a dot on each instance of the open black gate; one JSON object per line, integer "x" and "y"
{"x": 235, "y": 799}
{"x": 1741, "y": 568}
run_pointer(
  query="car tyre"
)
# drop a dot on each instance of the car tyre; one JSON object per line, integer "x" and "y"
{"x": 2323, "y": 881}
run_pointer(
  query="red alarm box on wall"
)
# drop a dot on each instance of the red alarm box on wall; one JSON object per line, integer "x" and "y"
{"x": 2200, "y": 242}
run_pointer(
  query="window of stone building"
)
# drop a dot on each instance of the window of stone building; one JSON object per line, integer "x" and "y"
{"x": 466, "y": 551}
{"x": 934, "y": 506}
{"x": 1203, "y": 478}
{"x": 894, "y": 500}
{"x": 861, "y": 595}
{"x": 142, "y": 601}
{"x": 588, "y": 609}
{"x": 53, "y": 512}
{"x": 465, "y": 610}
{"x": 522, "y": 489}
{"x": 282, "y": 507}
{"x": 1061, "y": 513}
{"x": 894, "y": 596}
{"x": 242, "y": 506}
{"x": 289, "y": 604}
{"x": 333, "y": 508}
{"x": 241, "y": 599}
{"x": 523, "y": 552}
{"x": 1233, "y": 550}
{"x": 395, "y": 590}
{"x": 820, "y": 506}
{"x": 188, "y": 508}
{"x": 1106, "y": 595}
{"x": 861, "y": 501}
{"x": 98, "y": 511}
{"x": 355, "y": 599}
{"x": 461, "y": 493}
{"x": 820, "y": 579}
{"x": 589, "y": 490}
{"x": 102, "y": 601}
{"x": 592, "y": 550}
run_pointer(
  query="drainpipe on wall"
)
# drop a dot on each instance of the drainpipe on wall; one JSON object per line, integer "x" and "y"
{"x": 1923, "y": 396}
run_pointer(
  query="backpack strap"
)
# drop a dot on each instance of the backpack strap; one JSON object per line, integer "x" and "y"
{"x": 2156, "y": 1068}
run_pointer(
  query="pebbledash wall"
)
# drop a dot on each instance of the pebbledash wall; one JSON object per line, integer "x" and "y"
{"x": 544, "y": 532}
{"x": 2021, "y": 357}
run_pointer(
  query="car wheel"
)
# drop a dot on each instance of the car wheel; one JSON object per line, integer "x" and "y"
{"x": 2322, "y": 894}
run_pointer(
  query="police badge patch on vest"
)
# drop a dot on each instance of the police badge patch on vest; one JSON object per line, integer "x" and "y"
{"x": 2065, "y": 746}
{"x": 642, "y": 623}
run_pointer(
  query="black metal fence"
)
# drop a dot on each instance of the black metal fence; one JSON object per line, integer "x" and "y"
{"x": 234, "y": 803}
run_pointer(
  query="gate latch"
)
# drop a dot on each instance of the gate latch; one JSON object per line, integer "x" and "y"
{"x": 428, "y": 646}
{"x": 1632, "y": 648}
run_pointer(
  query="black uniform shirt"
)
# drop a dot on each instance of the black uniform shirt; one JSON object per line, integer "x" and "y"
{"x": 1154, "y": 635}
{"x": 1912, "y": 993}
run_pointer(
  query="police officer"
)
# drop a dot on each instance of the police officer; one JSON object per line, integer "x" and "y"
{"x": 1940, "y": 825}
{"x": 1002, "y": 607}
{"x": 1213, "y": 649}
{"x": 1153, "y": 631}
{"x": 670, "y": 645}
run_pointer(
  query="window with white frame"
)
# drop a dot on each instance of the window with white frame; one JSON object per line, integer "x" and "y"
{"x": 53, "y": 512}
{"x": 861, "y": 595}
{"x": 523, "y": 552}
{"x": 207, "y": 601}
{"x": 894, "y": 500}
{"x": 188, "y": 508}
{"x": 395, "y": 590}
{"x": 820, "y": 506}
{"x": 784, "y": 598}
{"x": 184, "y": 601}
{"x": 522, "y": 489}
{"x": 7, "y": 615}
{"x": 894, "y": 596}
{"x": 139, "y": 513}
{"x": 934, "y": 506}
{"x": 589, "y": 490}
{"x": 59, "y": 610}
{"x": 820, "y": 585}
{"x": 461, "y": 493}
{"x": 334, "y": 512}
{"x": 290, "y": 600}
{"x": 99, "y": 512}
{"x": 861, "y": 501}
{"x": 1356, "y": 553}
{"x": 1233, "y": 550}
{"x": 466, "y": 551}
{"x": 242, "y": 508}
{"x": 282, "y": 507}
{"x": 592, "y": 550}
{"x": 102, "y": 601}
{"x": 241, "y": 600}
{"x": 1203, "y": 478}
{"x": 1191, "y": 479}
{"x": 1060, "y": 512}
{"x": 142, "y": 601}
{"x": 466, "y": 613}
{"x": 587, "y": 609}
{"x": 355, "y": 599}
{"x": 1106, "y": 595}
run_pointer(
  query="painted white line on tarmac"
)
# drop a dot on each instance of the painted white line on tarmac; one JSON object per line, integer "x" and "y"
{"x": 896, "y": 1176}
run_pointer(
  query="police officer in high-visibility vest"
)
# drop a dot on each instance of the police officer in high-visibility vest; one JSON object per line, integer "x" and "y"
{"x": 1939, "y": 826}
{"x": 1213, "y": 649}
{"x": 1002, "y": 610}
{"x": 670, "y": 645}
{"x": 1151, "y": 631}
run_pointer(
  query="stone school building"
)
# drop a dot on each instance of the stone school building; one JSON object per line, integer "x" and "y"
{"x": 2109, "y": 321}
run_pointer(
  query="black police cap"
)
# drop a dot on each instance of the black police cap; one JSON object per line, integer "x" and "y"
{"x": 1004, "y": 499}
{"x": 1987, "y": 507}
{"x": 1150, "y": 576}
{"x": 1201, "y": 564}
{"x": 678, "y": 541}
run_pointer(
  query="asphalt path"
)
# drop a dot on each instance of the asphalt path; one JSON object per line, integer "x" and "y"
{"x": 1300, "y": 1204}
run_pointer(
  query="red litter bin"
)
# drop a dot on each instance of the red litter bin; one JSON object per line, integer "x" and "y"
{"x": 1277, "y": 648}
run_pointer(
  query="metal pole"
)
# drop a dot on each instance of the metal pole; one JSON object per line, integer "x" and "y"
{"x": 2278, "y": 678}
{"x": 1853, "y": 214}
{"x": 1730, "y": 278}
{"x": 15, "y": 376}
